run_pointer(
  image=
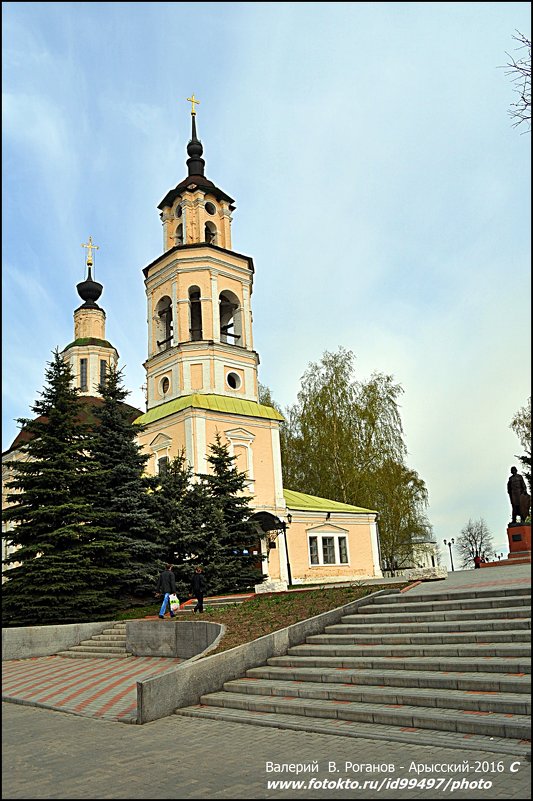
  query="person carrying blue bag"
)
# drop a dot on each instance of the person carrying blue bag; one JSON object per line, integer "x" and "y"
{"x": 166, "y": 585}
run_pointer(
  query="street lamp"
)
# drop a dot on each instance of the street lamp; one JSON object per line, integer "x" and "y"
{"x": 284, "y": 527}
{"x": 449, "y": 544}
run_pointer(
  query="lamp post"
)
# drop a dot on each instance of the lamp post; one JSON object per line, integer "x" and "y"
{"x": 449, "y": 544}
{"x": 289, "y": 574}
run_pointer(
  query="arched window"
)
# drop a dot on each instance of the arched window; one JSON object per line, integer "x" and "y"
{"x": 195, "y": 314}
{"x": 210, "y": 233}
{"x": 179, "y": 235}
{"x": 230, "y": 318}
{"x": 164, "y": 325}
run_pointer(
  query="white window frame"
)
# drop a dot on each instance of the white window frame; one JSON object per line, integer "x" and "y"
{"x": 336, "y": 536}
{"x": 244, "y": 439}
{"x": 160, "y": 448}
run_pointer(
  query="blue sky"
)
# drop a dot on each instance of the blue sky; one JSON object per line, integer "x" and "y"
{"x": 381, "y": 190}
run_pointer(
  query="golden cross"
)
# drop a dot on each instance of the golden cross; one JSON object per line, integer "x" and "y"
{"x": 193, "y": 100}
{"x": 90, "y": 247}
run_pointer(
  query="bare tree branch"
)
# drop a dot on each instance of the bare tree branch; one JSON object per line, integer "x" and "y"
{"x": 520, "y": 72}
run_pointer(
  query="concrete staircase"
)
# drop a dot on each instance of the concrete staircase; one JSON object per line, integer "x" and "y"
{"x": 110, "y": 644}
{"x": 446, "y": 669}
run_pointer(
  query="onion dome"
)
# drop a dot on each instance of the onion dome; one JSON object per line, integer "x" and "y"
{"x": 89, "y": 291}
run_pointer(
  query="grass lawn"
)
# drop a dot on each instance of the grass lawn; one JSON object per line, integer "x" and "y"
{"x": 264, "y": 614}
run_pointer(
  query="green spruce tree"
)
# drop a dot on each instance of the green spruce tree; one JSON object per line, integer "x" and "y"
{"x": 57, "y": 573}
{"x": 192, "y": 524}
{"x": 232, "y": 567}
{"x": 122, "y": 495}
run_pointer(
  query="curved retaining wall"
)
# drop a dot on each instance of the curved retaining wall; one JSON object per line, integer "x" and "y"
{"x": 184, "y": 639}
{"x": 161, "y": 695}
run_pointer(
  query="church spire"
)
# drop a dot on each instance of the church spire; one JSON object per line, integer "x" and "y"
{"x": 195, "y": 162}
{"x": 89, "y": 290}
{"x": 90, "y": 355}
{"x": 196, "y": 211}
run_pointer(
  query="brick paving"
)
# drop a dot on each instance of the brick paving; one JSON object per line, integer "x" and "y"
{"x": 100, "y": 688}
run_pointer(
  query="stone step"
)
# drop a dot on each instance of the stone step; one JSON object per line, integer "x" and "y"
{"x": 489, "y": 724}
{"x": 93, "y": 654}
{"x": 464, "y": 605}
{"x": 96, "y": 648}
{"x": 454, "y": 595}
{"x": 448, "y": 650}
{"x": 115, "y": 632}
{"x": 468, "y": 681}
{"x": 434, "y": 638}
{"x": 437, "y": 626}
{"x": 119, "y": 639}
{"x": 109, "y": 644}
{"x": 345, "y": 728}
{"x": 440, "y": 668}
{"x": 486, "y": 664}
{"x": 428, "y": 617}
{"x": 504, "y": 703}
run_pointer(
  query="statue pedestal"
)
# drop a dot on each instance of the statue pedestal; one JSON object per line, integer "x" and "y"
{"x": 519, "y": 541}
{"x": 519, "y": 548}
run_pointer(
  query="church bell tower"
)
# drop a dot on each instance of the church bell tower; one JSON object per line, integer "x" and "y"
{"x": 202, "y": 367}
{"x": 198, "y": 295}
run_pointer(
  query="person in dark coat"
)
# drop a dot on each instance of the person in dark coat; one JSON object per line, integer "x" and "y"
{"x": 166, "y": 585}
{"x": 198, "y": 585}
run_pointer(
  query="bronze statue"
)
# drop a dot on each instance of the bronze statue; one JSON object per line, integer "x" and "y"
{"x": 516, "y": 489}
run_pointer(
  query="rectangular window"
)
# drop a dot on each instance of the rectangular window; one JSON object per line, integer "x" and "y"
{"x": 328, "y": 549}
{"x": 162, "y": 465}
{"x": 83, "y": 375}
{"x": 343, "y": 551}
{"x": 103, "y": 370}
{"x": 313, "y": 550}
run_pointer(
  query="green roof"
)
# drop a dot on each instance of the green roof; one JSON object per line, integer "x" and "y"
{"x": 215, "y": 403}
{"x": 102, "y": 343}
{"x": 310, "y": 503}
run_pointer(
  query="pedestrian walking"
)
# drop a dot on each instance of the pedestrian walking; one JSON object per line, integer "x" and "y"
{"x": 166, "y": 585}
{"x": 198, "y": 585}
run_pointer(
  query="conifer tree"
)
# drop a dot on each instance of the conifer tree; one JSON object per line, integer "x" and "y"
{"x": 231, "y": 566}
{"x": 122, "y": 495}
{"x": 192, "y": 524}
{"x": 57, "y": 573}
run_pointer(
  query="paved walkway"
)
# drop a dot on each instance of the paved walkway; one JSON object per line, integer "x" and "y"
{"x": 100, "y": 688}
{"x": 48, "y": 754}
{"x": 489, "y": 577}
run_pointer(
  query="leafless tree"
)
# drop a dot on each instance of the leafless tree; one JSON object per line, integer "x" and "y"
{"x": 474, "y": 538}
{"x": 520, "y": 71}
